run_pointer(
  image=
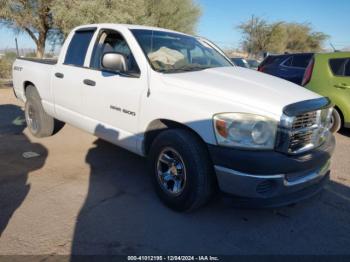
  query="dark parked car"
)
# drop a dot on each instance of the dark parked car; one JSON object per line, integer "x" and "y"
{"x": 253, "y": 64}
{"x": 241, "y": 62}
{"x": 290, "y": 67}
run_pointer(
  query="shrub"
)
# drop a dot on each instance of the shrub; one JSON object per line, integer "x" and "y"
{"x": 6, "y": 65}
{"x": 5, "y": 68}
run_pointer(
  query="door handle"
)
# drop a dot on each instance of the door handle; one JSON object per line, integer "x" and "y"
{"x": 342, "y": 86}
{"x": 59, "y": 75}
{"x": 89, "y": 82}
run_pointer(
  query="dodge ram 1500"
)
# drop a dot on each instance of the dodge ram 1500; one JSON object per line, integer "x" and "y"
{"x": 176, "y": 99}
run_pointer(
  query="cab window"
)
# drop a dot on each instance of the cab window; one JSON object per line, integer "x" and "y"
{"x": 112, "y": 42}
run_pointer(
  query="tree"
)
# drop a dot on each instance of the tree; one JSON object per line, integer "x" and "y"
{"x": 277, "y": 38}
{"x": 71, "y": 13}
{"x": 52, "y": 20}
{"x": 30, "y": 16}
{"x": 255, "y": 35}
{"x": 179, "y": 15}
{"x": 261, "y": 36}
{"x": 302, "y": 38}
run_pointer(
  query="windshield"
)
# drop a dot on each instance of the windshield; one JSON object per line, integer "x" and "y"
{"x": 170, "y": 52}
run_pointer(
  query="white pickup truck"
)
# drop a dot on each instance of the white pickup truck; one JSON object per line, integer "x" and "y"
{"x": 202, "y": 122}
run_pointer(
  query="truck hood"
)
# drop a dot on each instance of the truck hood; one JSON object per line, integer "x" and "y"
{"x": 242, "y": 86}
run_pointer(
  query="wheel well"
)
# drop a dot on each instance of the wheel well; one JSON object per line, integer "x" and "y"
{"x": 25, "y": 85}
{"x": 160, "y": 125}
{"x": 341, "y": 115}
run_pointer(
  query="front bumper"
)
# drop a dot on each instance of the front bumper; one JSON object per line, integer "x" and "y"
{"x": 272, "y": 178}
{"x": 270, "y": 186}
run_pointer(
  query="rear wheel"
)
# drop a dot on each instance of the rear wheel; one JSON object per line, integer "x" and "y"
{"x": 336, "y": 121}
{"x": 181, "y": 169}
{"x": 38, "y": 122}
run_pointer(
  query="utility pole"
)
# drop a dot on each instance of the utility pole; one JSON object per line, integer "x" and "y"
{"x": 17, "y": 47}
{"x": 335, "y": 50}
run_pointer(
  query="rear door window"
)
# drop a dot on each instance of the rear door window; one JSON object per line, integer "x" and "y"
{"x": 338, "y": 66}
{"x": 301, "y": 61}
{"x": 78, "y": 47}
{"x": 288, "y": 61}
{"x": 347, "y": 68}
{"x": 273, "y": 60}
{"x": 278, "y": 60}
{"x": 268, "y": 60}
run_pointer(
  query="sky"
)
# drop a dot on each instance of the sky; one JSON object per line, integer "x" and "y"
{"x": 220, "y": 19}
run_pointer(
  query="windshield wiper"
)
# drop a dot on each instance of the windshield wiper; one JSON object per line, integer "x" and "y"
{"x": 184, "y": 69}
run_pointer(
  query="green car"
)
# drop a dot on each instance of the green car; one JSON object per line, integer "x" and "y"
{"x": 329, "y": 75}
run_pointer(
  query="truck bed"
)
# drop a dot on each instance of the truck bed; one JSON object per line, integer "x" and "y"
{"x": 38, "y": 60}
{"x": 33, "y": 71}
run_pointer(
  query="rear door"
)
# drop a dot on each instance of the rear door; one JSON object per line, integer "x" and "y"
{"x": 68, "y": 77}
{"x": 340, "y": 83}
{"x": 341, "y": 73}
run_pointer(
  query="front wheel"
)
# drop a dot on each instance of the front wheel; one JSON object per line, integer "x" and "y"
{"x": 181, "y": 169}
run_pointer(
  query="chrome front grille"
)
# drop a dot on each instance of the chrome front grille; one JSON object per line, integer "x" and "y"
{"x": 304, "y": 126}
{"x": 300, "y": 140}
{"x": 304, "y": 129}
{"x": 305, "y": 120}
{"x": 308, "y": 130}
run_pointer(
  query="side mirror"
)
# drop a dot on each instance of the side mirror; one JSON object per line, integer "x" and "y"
{"x": 114, "y": 62}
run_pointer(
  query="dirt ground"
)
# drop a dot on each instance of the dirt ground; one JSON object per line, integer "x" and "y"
{"x": 85, "y": 196}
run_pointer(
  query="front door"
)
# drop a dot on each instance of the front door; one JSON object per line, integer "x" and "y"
{"x": 112, "y": 99}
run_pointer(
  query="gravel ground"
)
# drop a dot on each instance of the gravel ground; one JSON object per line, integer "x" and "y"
{"x": 5, "y": 83}
{"x": 85, "y": 196}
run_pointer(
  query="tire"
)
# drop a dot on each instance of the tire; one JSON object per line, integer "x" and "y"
{"x": 38, "y": 122}
{"x": 336, "y": 121}
{"x": 192, "y": 165}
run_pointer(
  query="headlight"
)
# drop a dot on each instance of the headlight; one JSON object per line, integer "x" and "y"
{"x": 326, "y": 118}
{"x": 245, "y": 130}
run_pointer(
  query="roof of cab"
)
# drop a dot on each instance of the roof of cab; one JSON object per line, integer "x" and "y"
{"x": 128, "y": 26}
